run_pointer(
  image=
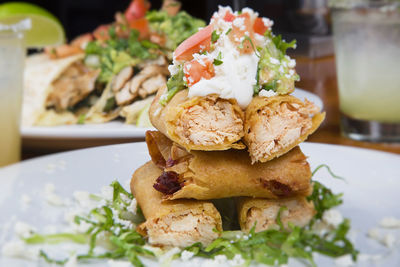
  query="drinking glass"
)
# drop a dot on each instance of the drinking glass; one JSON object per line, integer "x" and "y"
{"x": 12, "y": 55}
{"x": 367, "y": 50}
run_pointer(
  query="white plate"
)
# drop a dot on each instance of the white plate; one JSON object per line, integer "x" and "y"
{"x": 370, "y": 193}
{"x": 112, "y": 130}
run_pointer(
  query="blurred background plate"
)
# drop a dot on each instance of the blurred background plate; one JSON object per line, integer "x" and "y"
{"x": 65, "y": 137}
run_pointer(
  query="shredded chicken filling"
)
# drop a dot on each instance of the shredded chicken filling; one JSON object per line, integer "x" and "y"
{"x": 75, "y": 84}
{"x": 182, "y": 230}
{"x": 298, "y": 213}
{"x": 210, "y": 123}
{"x": 280, "y": 128}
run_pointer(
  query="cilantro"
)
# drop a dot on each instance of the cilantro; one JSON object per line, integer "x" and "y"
{"x": 228, "y": 31}
{"x": 217, "y": 61}
{"x": 214, "y": 36}
{"x": 247, "y": 38}
{"x": 281, "y": 44}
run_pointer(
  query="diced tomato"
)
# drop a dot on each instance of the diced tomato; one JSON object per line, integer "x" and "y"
{"x": 101, "y": 32}
{"x": 259, "y": 26}
{"x": 137, "y": 10}
{"x": 238, "y": 32}
{"x": 200, "y": 41}
{"x": 142, "y": 25}
{"x": 229, "y": 17}
{"x": 195, "y": 71}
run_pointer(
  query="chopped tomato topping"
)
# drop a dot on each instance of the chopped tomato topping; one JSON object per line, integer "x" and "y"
{"x": 259, "y": 26}
{"x": 137, "y": 10}
{"x": 101, "y": 32}
{"x": 239, "y": 32}
{"x": 195, "y": 71}
{"x": 142, "y": 25}
{"x": 229, "y": 17}
{"x": 198, "y": 42}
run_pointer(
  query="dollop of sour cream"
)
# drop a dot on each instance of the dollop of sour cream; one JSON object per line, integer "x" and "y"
{"x": 236, "y": 76}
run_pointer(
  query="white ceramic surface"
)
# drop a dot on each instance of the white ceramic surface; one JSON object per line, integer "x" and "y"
{"x": 371, "y": 190}
{"x": 112, "y": 130}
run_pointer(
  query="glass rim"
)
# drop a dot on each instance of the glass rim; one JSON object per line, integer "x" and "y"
{"x": 385, "y": 5}
{"x": 16, "y": 28}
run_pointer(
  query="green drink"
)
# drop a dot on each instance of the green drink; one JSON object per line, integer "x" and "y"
{"x": 367, "y": 46}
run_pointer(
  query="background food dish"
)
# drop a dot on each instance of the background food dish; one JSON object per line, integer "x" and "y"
{"x": 72, "y": 136}
{"x": 366, "y": 190}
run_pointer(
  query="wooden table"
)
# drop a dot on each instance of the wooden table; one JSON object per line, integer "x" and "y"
{"x": 317, "y": 76}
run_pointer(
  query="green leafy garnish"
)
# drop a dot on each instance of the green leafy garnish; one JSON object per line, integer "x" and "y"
{"x": 114, "y": 220}
{"x": 217, "y": 61}
{"x": 281, "y": 44}
{"x": 214, "y": 36}
{"x": 174, "y": 84}
{"x": 228, "y": 31}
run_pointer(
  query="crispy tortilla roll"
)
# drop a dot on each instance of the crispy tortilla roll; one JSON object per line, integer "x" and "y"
{"x": 199, "y": 123}
{"x": 223, "y": 174}
{"x": 172, "y": 223}
{"x": 275, "y": 125}
{"x": 262, "y": 213}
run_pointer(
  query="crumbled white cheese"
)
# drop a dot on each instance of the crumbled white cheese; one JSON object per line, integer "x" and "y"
{"x": 274, "y": 60}
{"x": 267, "y": 93}
{"x": 387, "y": 240}
{"x": 389, "y": 222}
{"x": 238, "y": 22}
{"x": 237, "y": 260}
{"x": 344, "y": 261}
{"x": 18, "y": 249}
{"x": 23, "y": 230}
{"x": 267, "y": 22}
{"x": 292, "y": 63}
{"x": 332, "y": 217}
{"x": 220, "y": 259}
{"x": 186, "y": 255}
{"x": 167, "y": 256}
{"x": 133, "y": 206}
{"x": 25, "y": 199}
{"x": 115, "y": 263}
{"x": 50, "y": 195}
{"x": 107, "y": 192}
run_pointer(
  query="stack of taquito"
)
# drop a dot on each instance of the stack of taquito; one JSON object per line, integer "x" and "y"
{"x": 199, "y": 155}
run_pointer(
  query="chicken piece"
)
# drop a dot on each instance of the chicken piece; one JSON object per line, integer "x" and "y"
{"x": 122, "y": 78}
{"x": 77, "y": 82}
{"x": 151, "y": 85}
{"x": 210, "y": 122}
{"x": 262, "y": 213}
{"x": 274, "y": 129}
{"x": 146, "y": 73}
{"x": 125, "y": 96}
{"x": 132, "y": 111}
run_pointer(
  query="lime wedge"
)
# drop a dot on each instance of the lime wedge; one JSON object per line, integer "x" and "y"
{"x": 143, "y": 119}
{"x": 46, "y": 28}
